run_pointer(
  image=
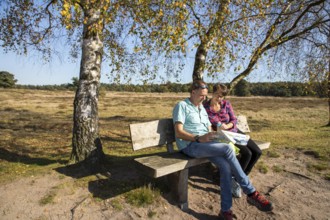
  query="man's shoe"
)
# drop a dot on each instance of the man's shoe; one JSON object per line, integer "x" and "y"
{"x": 228, "y": 215}
{"x": 235, "y": 188}
{"x": 260, "y": 201}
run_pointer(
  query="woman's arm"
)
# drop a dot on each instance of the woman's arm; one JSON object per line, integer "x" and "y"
{"x": 232, "y": 120}
{"x": 232, "y": 116}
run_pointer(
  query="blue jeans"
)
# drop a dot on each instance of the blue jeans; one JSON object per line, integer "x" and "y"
{"x": 223, "y": 156}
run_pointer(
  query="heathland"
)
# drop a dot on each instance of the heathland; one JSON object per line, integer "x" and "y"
{"x": 35, "y": 144}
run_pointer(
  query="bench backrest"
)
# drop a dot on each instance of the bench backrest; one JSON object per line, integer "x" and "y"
{"x": 153, "y": 133}
{"x": 161, "y": 132}
{"x": 242, "y": 124}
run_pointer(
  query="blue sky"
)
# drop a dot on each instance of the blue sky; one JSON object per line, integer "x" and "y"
{"x": 30, "y": 70}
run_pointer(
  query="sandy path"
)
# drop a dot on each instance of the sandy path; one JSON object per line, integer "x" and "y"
{"x": 294, "y": 196}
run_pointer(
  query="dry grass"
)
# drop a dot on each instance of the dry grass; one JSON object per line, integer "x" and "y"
{"x": 36, "y": 126}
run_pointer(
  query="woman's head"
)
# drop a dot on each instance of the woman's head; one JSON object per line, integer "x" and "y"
{"x": 219, "y": 91}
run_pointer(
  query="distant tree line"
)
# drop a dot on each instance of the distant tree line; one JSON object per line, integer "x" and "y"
{"x": 243, "y": 88}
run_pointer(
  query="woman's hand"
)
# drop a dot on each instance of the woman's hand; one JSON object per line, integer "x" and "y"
{"x": 226, "y": 126}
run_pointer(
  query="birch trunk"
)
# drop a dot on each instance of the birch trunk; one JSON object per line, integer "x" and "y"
{"x": 329, "y": 77}
{"x": 206, "y": 41}
{"x": 329, "y": 85}
{"x": 86, "y": 141}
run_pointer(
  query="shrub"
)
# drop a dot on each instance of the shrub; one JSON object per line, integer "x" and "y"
{"x": 7, "y": 80}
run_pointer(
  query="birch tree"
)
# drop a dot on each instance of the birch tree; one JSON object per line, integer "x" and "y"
{"x": 89, "y": 25}
{"x": 28, "y": 25}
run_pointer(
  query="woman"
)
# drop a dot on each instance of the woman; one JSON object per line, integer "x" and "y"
{"x": 221, "y": 115}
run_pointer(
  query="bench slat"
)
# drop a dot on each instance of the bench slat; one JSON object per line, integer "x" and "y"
{"x": 242, "y": 124}
{"x": 164, "y": 164}
{"x": 152, "y": 133}
{"x": 262, "y": 144}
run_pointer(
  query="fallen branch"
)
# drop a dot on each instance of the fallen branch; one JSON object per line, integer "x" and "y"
{"x": 76, "y": 206}
{"x": 298, "y": 174}
{"x": 272, "y": 189}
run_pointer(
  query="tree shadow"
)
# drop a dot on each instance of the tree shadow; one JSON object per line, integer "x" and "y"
{"x": 15, "y": 157}
{"x": 121, "y": 139}
{"x": 325, "y": 126}
{"x": 115, "y": 176}
{"x": 126, "y": 120}
{"x": 201, "y": 216}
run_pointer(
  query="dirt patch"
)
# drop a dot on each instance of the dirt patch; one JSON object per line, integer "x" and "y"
{"x": 295, "y": 192}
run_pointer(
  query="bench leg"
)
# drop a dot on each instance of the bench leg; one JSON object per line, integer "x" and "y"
{"x": 179, "y": 184}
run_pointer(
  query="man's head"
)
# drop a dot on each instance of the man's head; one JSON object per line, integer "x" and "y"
{"x": 198, "y": 91}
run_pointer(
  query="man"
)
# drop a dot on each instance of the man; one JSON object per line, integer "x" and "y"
{"x": 194, "y": 137}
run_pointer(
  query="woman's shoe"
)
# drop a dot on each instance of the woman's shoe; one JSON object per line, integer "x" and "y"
{"x": 235, "y": 189}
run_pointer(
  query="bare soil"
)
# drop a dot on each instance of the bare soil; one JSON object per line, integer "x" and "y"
{"x": 295, "y": 192}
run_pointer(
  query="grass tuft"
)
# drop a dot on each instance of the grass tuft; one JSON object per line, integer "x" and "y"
{"x": 142, "y": 196}
{"x": 320, "y": 166}
{"x": 262, "y": 167}
{"x": 277, "y": 169}
{"x": 48, "y": 198}
{"x": 273, "y": 154}
{"x": 116, "y": 204}
{"x": 151, "y": 214}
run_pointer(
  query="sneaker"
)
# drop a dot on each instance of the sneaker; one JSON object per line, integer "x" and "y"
{"x": 235, "y": 188}
{"x": 260, "y": 201}
{"x": 228, "y": 215}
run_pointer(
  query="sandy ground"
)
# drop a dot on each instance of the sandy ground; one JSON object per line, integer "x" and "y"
{"x": 295, "y": 192}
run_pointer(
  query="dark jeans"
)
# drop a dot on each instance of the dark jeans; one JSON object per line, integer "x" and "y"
{"x": 249, "y": 155}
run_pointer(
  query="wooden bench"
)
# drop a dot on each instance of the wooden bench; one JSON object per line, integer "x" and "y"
{"x": 172, "y": 163}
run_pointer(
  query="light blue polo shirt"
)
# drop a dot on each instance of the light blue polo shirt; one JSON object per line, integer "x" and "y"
{"x": 194, "y": 119}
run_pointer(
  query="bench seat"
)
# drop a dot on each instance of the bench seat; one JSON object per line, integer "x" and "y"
{"x": 163, "y": 164}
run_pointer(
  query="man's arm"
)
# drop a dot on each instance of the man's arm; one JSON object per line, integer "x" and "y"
{"x": 184, "y": 135}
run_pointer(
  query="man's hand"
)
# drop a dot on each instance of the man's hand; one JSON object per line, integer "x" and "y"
{"x": 208, "y": 137}
{"x": 181, "y": 133}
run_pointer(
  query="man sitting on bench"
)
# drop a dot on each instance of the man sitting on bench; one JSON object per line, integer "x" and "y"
{"x": 195, "y": 138}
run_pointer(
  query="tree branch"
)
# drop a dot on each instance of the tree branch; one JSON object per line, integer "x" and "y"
{"x": 280, "y": 40}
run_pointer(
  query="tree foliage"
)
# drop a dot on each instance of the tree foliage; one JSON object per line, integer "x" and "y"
{"x": 225, "y": 36}
{"x": 7, "y": 80}
{"x": 242, "y": 88}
